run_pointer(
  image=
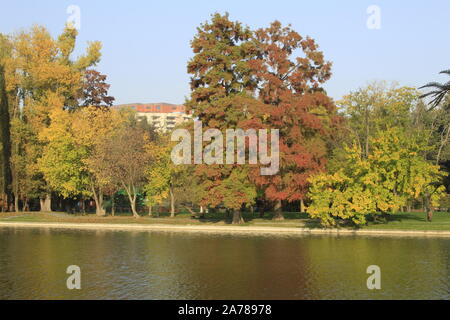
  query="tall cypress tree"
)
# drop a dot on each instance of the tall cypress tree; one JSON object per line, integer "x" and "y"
{"x": 221, "y": 92}
{"x": 5, "y": 139}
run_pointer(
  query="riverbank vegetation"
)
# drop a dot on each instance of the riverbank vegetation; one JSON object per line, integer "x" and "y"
{"x": 382, "y": 150}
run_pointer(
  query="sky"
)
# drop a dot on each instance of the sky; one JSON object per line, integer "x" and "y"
{"x": 146, "y": 44}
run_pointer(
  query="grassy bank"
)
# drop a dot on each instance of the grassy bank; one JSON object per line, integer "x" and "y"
{"x": 402, "y": 221}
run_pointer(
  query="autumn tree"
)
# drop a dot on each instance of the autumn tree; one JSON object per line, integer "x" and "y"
{"x": 39, "y": 72}
{"x": 73, "y": 161}
{"x": 163, "y": 176}
{"x": 62, "y": 158}
{"x": 222, "y": 87}
{"x": 290, "y": 71}
{"x": 95, "y": 90}
{"x": 158, "y": 175}
{"x": 127, "y": 157}
{"x": 377, "y": 184}
{"x": 378, "y": 107}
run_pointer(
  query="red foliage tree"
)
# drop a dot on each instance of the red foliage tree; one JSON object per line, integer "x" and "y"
{"x": 294, "y": 102}
{"x": 95, "y": 90}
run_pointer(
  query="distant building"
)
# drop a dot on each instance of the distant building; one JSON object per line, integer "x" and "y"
{"x": 163, "y": 116}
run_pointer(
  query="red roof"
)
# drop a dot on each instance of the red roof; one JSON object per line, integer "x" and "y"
{"x": 155, "y": 107}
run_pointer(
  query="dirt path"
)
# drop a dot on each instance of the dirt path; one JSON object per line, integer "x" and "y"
{"x": 249, "y": 230}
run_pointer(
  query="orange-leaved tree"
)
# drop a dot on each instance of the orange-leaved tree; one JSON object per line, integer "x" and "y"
{"x": 290, "y": 71}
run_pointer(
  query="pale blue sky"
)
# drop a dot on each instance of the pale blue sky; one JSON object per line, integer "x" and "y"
{"x": 146, "y": 43}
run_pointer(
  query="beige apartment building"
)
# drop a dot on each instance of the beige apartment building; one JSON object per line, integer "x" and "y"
{"x": 163, "y": 116}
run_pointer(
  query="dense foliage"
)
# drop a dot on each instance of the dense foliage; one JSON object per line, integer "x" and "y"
{"x": 378, "y": 151}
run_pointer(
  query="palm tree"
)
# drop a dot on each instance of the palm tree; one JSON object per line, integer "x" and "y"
{"x": 439, "y": 91}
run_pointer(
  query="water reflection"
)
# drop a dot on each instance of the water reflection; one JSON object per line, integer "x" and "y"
{"x": 164, "y": 265}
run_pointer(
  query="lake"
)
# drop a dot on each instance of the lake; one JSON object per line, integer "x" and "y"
{"x": 169, "y": 265}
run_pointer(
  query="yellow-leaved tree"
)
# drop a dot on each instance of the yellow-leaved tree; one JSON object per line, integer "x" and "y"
{"x": 380, "y": 184}
{"x": 41, "y": 75}
{"x": 73, "y": 160}
{"x": 163, "y": 176}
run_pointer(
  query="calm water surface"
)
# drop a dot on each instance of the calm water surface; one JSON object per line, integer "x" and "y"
{"x": 164, "y": 265}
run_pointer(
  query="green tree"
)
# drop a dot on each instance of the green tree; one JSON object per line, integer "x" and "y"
{"x": 5, "y": 143}
{"x": 378, "y": 107}
{"x": 5, "y": 129}
{"x": 375, "y": 108}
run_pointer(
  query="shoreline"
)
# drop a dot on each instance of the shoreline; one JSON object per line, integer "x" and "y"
{"x": 224, "y": 229}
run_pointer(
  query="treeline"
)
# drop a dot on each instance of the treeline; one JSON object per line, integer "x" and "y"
{"x": 380, "y": 150}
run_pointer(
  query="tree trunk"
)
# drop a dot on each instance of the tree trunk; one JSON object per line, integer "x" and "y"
{"x": 192, "y": 212}
{"x": 16, "y": 203}
{"x": 202, "y": 212}
{"x": 150, "y": 211}
{"x": 237, "y": 217}
{"x": 46, "y": 203}
{"x": 132, "y": 196}
{"x": 113, "y": 205}
{"x": 99, "y": 210}
{"x": 302, "y": 206}
{"x": 428, "y": 208}
{"x": 172, "y": 202}
{"x": 2, "y": 202}
{"x": 26, "y": 205}
{"x": 278, "y": 214}
{"x": 430, "y": 215}
{"x": 83, "y": 206}
{"x": 133, "y": 208}
{"x": 5, "y": 142}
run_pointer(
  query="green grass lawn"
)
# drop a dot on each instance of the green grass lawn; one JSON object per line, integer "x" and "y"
{"x": 400, "y": 221}
{"x": 414, "y": 221}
